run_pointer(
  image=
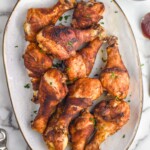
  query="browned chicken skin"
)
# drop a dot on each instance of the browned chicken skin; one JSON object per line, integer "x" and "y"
{"x": 81, "y": 95}
{"x": 37, "y": 63}
{"x": 62, "y": 42}
{"x": 81, "y": 129}
{"x": 37, "y": 18}
{"x": 110, "y": 117}
{"x": 115, "y": 77}
{"x": 87, "y": 13}
{"x": 52, "y": 91}
{"x": 80, "y": 65}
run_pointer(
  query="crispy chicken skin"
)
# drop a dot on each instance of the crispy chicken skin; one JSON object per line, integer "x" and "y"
{"x": 81, "y": 129}
{"x": 37, "y": 18}
{"x": 115, "y": 77}
{"x": 52, "y": 91}
{"x": 110, "y": 117}
{"x": 81, "y": 95}
{"x": 80, "y": 65}
{"x": 87, "y": 13}
{"x": 37, "y": 63}
{"x": 62, "y": 42}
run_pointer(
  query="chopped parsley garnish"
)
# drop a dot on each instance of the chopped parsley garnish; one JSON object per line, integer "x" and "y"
{"x": 68, "y": 82}
{"x": 116, "y": 11}
{"x": 113, "y": 76}
{"x": 35, "y": 111}
{"x": 142, "y": 65}
{"x": 27, "y": 86}
{"x": 16, "y": 46}
{"x": 104, "y": 60}
{"x": 102, "y": 22}
{"x": 68, "y": 69}
{"x": 41, "y": 51}
{"x": 88, "y": 16}
{"x": 102, "y": 50}
{"x": 123, "y": 136}
{"x": 96, "y": 75}
{"x": 50, "y": 83}
{"x": 66, "y": 17}
{"x": 117, "y": 98}
{"x": 61, "y": 18}
{"x": 93, "y": 120}
{"x": 69, "y": 43}
{"x": 129, "y": 101}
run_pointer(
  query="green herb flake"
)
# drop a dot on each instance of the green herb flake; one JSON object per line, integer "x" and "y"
{"x": 68, "y": 82}
{"x": 61, "y": 18}
{"x": 116, "y": 11}
{"x": 41, "y": 51}
{"x": 27, "y": 86}
{"x": 69, "y": 43}
{"x": 129, "y": 101}
{"x": 123, "y": 136}
{"x": 35, "y": 111}
{"x": 93, "y": 120}
{"x": 102, "y": 22}
{"x": 142, "y": 65}
{"x": 113, "y": 76}
{"x": 104, "y": 60}
{"x": 50, "y": 83}
{"x": 66, "y": 17}
{"x": 16, "y": 46}
{"x": 68, "y": 69}
{"x": 117, "y": 98}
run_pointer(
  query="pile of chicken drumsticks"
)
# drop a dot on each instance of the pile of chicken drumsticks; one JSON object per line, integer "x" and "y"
{"x": 64, "y": 109}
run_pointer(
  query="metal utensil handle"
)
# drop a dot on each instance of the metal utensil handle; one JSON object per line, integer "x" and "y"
{"x": 3, "y": 140}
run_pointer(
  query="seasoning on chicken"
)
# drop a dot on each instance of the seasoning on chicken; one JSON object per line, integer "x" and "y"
{"x": 114, "y": 77}
{"x": 80, "y": 65}
{"x": 87, "y": 13}
{"x": 37, "y": 18}
{"x": 36, "y": 63}
{"x": 52, "y": 91}
{"x": 81, "y": 129}
{"x": 110, "y": 117}
{"x": 62, "y": 42}
{"x": 81, "y": 95}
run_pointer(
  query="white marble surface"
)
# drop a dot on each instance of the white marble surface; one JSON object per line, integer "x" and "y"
{"x": 134, "y": 11}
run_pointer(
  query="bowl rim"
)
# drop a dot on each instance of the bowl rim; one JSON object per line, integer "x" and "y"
{"x": 138, "y": 59}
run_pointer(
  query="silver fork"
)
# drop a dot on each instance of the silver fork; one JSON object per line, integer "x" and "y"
{"x": 3, "y": 139}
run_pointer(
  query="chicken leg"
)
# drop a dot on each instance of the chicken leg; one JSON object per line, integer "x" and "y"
{"x": 110, "y": 117}
{"x": 114, "y": 77}
{"x": 36, "y": 63}
{"x": 62, "y": 42}
{"x": 37, "y": 18}
{"x": 80, "y": 65}
{"x": 81, "y": 129}
{"x": 52, "y": 91}
{"x": 87, "y": 13}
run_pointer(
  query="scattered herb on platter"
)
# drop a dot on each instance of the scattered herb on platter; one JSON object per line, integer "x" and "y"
{"x": 35, "y": 111}
{"x": 116, "y": 11}
{"x": 61, "y": 18}
{"x": 27, "y": 86}
{"x": 142, "y": 65}
{"x": 70, "y": 43}
{"x": 129, "y": 101}
{"x": 68, "y": 69}
{"x": 104, "y": 60}
{"x": 96, "y": 75}
{"x": 113, "y": 75}
{"x": 102, "y": 22}
{"x": 51, "y": 83}
{"x": 16, "y": 46}
{"x": 123, "y": 136}
{"x": 66, "y": 17}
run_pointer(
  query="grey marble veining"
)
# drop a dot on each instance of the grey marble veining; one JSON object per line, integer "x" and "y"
{"x": 134, "y": 13}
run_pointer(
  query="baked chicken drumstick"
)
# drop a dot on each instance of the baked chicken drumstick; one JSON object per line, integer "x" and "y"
{"x": 114, "y": 77}
{"x": 81, "y": 129}
{"x": 87, "y": 13}
{"x": 81, "y": 95}
{"x": 52, "y": 91}
{"x": 37, "y": 18}
{"x": 62, "y": 42}
{"x": 110, "y": 117}
{"x": 80, "y": 65}
{"x": 37, "y": 63}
